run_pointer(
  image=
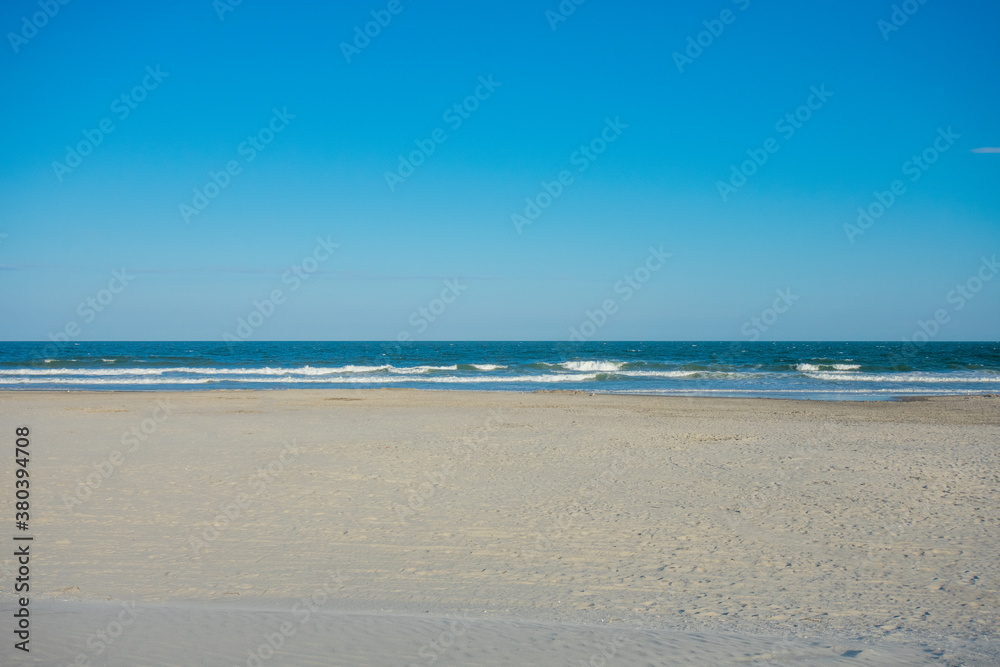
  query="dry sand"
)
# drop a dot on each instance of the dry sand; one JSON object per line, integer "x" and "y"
{"x": 466, "y": 528}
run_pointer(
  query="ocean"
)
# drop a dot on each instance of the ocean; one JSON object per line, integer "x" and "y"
{"x": 824, "y": 371}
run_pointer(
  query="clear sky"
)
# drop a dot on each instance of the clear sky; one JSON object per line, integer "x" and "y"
{"x": 677, "y": 119}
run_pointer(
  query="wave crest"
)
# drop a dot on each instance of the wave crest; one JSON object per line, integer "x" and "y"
{"x": 591, "y": 366}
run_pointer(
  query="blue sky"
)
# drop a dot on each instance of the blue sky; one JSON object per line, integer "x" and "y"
{"x": 888, "y": 95}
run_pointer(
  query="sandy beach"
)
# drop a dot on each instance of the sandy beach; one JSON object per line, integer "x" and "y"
{"x": 477, "y": 528}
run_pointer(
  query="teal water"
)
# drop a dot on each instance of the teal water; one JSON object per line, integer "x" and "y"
{"x": 827, "y": 371}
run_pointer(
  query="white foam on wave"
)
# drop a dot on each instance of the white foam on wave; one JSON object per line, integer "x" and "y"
{"x": 185, "y": 370}
{"x": 807, "y": 368}
{"x": 302, "y": 370}
{"x": 571, "y": 371}
{"x": 660, "y": 374}
{"x": 900, "y": 391}
{"x": 592, "y": 365}
{"x": 290, "y": 379}
{"x": 409, "y": 370}
{"x": 310, "y": 370}
{"x": 83, "y": 371}
{"x": 707, "y": 375}
{"x": 104, "y": 381}
{"x": 904, "y": 377}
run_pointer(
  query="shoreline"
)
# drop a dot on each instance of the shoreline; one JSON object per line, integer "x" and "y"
{"x": 888, "y": 398}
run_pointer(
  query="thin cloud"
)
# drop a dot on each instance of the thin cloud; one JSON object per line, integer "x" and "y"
{"x": 342, "y": 275}
{"x": 337, "y": 275}
{"x": 202, "y": 270}
{"x": 987, "y": 149}
{"x": 31, "y": 267}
